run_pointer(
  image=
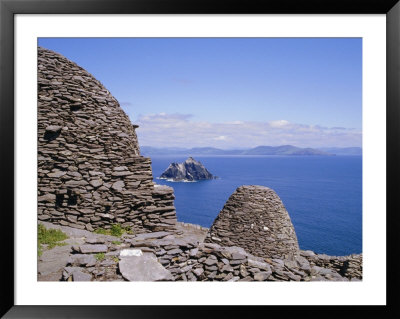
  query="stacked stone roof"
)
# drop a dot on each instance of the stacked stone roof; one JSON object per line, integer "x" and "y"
{"x": 90, "y": 172}
{"x": 255, "y": 218}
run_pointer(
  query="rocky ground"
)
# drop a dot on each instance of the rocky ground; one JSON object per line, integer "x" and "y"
{"x": 77, "y": 257}
{"x": 180, "y": 256}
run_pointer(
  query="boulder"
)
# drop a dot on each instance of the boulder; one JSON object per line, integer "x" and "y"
{"x": 143, "y": 268}
{"x": 189, "y": 170}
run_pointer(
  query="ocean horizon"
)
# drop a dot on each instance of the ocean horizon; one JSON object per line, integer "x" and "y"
{"x": 322, "y": 194}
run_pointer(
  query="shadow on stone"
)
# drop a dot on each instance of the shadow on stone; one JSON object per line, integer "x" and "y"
{"x": 50, "y": 135}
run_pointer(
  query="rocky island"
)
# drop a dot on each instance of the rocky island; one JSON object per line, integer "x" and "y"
{"x": 190, "y": 170}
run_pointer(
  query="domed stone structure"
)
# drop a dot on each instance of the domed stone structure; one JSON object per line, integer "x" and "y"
{"x": 90, "y": 172}
{"x": 255, "y": 219}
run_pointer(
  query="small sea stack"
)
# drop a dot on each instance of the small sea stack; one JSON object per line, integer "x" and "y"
{"x": 255, "y": 219}
{"x": 190, "y": 171}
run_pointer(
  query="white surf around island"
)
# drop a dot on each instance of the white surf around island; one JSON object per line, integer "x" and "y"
{"x": 176, "y": 181}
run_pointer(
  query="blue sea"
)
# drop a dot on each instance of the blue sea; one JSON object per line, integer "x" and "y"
{"x": 323, "y": 194}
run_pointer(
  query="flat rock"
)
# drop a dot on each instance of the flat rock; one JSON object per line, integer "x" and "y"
{"x": 262, "y": 276}
{"x": 131, "y": 253}
{"x": 235, "y": 250}
{"x": 95, "y": 240}
{"x": 143, "y": 268}
{"x": 193, "y": 252}
{"x": 173, "y": 242}
{"x": 236, "y": 256}
{"x": 120, "y": 168}
{"x": 175, "y": 251}
{"x": 47, "y": 198}
{"x": 307, "y": 253}
{"x": 82, "y": 260}
{"x": 56, "y": 174}
{"x": 210, "y": 261}
{"x": 53, "y": 260}
{"x": 118, "y": 186}
{"x": 107, "y": 263}
{"x": 53, "y": 128}
{"x": 258, "y": 264}
{"x": 154, "y": 235}
{"x": 93, "y": 249}
{"x": 78, "y": 275}
{"x": 198, "y": 271}
{"x": 235, "y": 262}
{"x": 96, "y": 182}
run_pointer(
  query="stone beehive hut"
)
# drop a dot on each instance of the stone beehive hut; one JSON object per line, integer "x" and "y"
{"x": 255, "y": 219}
{"x": 90, "y": 172}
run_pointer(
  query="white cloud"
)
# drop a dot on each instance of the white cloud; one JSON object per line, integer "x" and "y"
{"x": 279, "y": 123}
{"x": 235, "y": 122}
{"x": 220, "y": 138}
{"x": 178, "y": 130}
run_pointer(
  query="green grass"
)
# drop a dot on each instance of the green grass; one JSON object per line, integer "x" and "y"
{"x": 100, "y": 256}
{"x": 102, "y": 231}
{"x": 116, "y": 230}
{"x": 116, "y": 242}
{"x": 116, "y": 259}
{"x": 49, "y": 237}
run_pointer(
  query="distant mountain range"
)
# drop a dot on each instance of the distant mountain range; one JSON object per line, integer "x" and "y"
{"x": 259, "y": 150}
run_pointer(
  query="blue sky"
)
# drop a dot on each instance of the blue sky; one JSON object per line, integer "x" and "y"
{"x": 238, "y": 92}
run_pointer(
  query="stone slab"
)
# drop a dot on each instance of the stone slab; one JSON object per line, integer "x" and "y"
{"x": 143, "y": 268}
{"x": 93, "y": 249}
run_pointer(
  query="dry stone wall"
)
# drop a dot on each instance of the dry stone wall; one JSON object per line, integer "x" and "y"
{"x": 162, "y": 256}
{"x": 90, "y": 172}
{"x": 255, "y": 218}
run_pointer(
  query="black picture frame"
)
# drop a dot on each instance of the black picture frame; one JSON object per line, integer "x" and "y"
{"x": 8, "y": 10}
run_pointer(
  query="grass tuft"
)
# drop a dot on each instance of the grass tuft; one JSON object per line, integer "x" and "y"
{"x": 100, "y": 256}
{"x": 116, "y": 259}
{"x": 116, "y": 230}
{"x": 49, "y": 237}
{"x": 102, "y": 231}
